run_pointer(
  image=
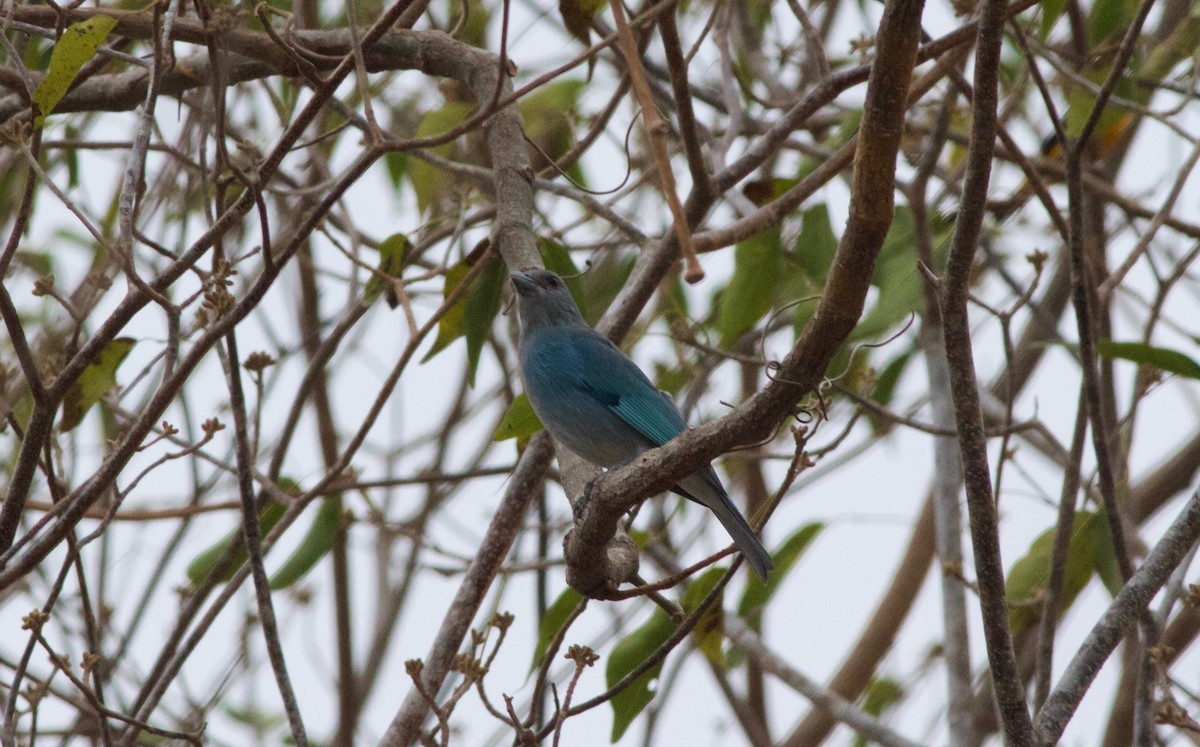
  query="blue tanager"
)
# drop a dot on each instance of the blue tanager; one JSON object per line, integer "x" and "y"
{"x": 600, "y": 405}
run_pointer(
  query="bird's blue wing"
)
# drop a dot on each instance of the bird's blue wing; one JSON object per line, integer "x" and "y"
{"x": 612, "y": 379}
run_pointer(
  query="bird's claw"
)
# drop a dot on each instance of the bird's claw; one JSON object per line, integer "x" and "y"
{"x": 585, "y": 497}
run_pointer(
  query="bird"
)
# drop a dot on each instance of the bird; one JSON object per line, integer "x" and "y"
{"x": 595, "y": 401}
{"x": 1112, "y": 129}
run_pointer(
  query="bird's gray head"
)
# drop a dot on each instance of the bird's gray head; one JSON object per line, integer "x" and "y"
{"x": 544, "y": 300}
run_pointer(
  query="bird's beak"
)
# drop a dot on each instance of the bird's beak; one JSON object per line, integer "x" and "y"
{"x": 522, "y": 282}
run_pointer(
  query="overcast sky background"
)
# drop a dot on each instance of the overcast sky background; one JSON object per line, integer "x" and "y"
{"x": 868, "y": 503}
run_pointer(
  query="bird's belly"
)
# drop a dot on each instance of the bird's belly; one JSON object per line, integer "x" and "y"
{"x": 586, "y": 427}
{"x": 598, "y": 448}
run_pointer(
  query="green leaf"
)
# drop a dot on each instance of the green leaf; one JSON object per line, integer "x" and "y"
{"x": 20, "y": 411}
{"x": 71, "y": 156}
{"x": 885, "y": 385}
{"x": 96, "y": 380}
{"x": 885, "y": 389}
{"x": 896, "y": 276}
{"x": 450, "y": 326}
{"x": 709, "y": 632}
{"x": 1180, "y": 45}
{"x": 287, "y": 95}
{"x": 519, "y": 421}
{"x": 899, "y": 239}
{"x": 1051, "y": 11}
{"x": 557, "y": 259}
{"x": 258, "y": 719}
{"x": 472, "y": 313}
{"x": 1114, "y": 120}
{"x": 393, "y": 251}
{"x": 673, "y": 301}
{"x": 77, "y": 45}
{"x": 483, "y": 304}
{"x": 751, "y": 291}
{"x": 801, "y": 292}
{"x": 759, "y": 12}
{"x": 764, "y": 191}
{"x": 549, "y": 114}
{"x": 817, "y": 243}
{"x": 397, "y": 166}
{"x": 577, "y": 16}
{"x": 603, "y": 282}
{"x": 205, "y": 563}
{"x": 759, "y": 593}
{"x": 1104, "y": 554}
{"x": 1164, "y": 359}
{"x": 428, "y": 181}
{"x": 1109, "y": 17}
{"x": 642, "y": 538}
{"x": 318, "y": 541}
{"x": 671, "y": 379}
{"x": 1026, "y": 583}
{"x": 557, "y": 98}
{"x": 881, "y": 694}
{"x": 474, "y": 32}
{"x": 625, "y": 657}
{"x": 553, "y": 621}
{"x": 39, "y": 263}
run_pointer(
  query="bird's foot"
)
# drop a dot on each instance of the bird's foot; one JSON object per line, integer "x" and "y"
{"x": 580, "y": 507}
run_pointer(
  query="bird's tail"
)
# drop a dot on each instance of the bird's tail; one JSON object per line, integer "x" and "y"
{"x": 707, "y": 491}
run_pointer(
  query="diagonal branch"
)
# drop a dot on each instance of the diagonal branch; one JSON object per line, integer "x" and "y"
{"x": 1120, "y": 618}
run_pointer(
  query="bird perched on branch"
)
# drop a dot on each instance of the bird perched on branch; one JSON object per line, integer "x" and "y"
{"x": 600, "y": 405}
{"x": 1113, "y": 127}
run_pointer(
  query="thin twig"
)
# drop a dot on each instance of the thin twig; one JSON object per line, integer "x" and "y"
{"x": 829, "y": 701}
{"x": 1058, "y": 560}
{"x": 252, "y": 535}
{"x": 657, "y": 131}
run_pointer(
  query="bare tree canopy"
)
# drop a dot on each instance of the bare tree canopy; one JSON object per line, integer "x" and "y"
{"x": 920, "y": 275}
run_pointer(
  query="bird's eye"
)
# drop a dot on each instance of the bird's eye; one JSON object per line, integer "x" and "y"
{"x": 552, "y": 281}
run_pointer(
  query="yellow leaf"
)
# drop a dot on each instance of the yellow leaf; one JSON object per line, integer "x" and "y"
{"x": 77, "y": 45}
